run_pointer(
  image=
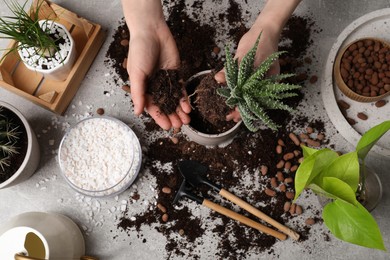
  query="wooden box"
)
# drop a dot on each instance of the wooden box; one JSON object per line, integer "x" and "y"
{"x": 50, "y": 94}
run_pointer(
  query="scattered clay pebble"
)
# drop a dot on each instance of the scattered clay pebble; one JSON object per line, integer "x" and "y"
{"x": 216, "y": 50}
{"x": 288, "y": 180}
{"x": 310, "y": 221}
{"x": 342, "y": 104}
{"x": 351, "y": 121}
{"x": 162, "y": 208}
{"x": 295, "y": 167}
{"x": 287, "y": 166}
{"x": 280, "y": 176}
{"x": 380, "y": 103}
{"x": 298, "y": 210}
{"x": 280, "y": 164}
{"x": 313, "y": 79}
{"x": 281, "y": 142}
{"x": 126, "y": 88}
{"x": 313, "y": 143}
{"x": 290, "y": 195}
{"x": 297, "y": 153}
{"x": 273, "y": 182}
{"x": 278, "y": 149}
{"x": 181, "y": 232}
{"x": 303, "y": 136}
{"x": 165, "y": 217}
{"x": 288, "y": 156}
{"x": 100, "y": 111}
{"x": 166, "y": 190}
{"x": 263, "y": 170}
{"x": 174, "y": 140}
{"x": 309, "y": 130}
{"x": 124, "y": 63}
{"x": 124, "y": 42}
{"x": 282, "y": 188}
{"x": 294, "y": 138}
{"x": 320, "y": 137}
{"x": 362, "y": 116}
{"x": 287, "y": 206}
{"x": 292, "y": 208}
{"x": 270, "y": 192}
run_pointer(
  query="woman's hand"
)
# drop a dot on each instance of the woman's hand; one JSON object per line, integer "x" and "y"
{"x": 151, "y": 47}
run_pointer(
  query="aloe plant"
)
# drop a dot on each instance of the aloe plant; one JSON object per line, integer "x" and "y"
{"x": 252, "y": 91}
{"x": 26, "y": 30}
{"x": 9, "y": 136}
{"x": 338, "y": 178}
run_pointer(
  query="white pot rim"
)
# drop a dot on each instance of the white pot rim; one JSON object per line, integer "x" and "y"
{"x": 29, "y": 142}
{"x": 68, "y": 57}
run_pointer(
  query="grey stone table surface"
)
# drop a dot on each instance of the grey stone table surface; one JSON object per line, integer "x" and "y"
{"x": 46, "y": 190}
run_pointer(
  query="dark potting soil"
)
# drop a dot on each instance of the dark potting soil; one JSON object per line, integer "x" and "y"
{"x": 209, "y": 109}
{"x": 21, "y": 144}
{"x": 228, "y": 166}
{"x": 166, "y": 89}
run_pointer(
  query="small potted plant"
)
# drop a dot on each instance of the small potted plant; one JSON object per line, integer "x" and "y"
{"x": 342, "y": 179}
{"x": 251, "y": 91}
{"x": 19, "y": 148}
{"x": 44, "y": 46}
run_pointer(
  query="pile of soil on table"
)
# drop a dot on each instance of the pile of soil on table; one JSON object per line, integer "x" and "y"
{"x": 229, "y": 165}
{"x": 21, "y": 145}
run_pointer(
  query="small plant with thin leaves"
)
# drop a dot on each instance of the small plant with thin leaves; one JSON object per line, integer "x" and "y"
{"x": 252, "y": 92}
{"x": 340, "y": 179}
{"x": 9, "y": 136}
{"x": 26, "y": 30}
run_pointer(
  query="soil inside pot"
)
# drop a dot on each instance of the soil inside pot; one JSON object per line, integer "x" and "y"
{"x": 209, "y": 109}
{"x": 21, "y": 144}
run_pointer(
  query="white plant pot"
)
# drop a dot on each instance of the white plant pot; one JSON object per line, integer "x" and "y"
{"x": 58, "y": 70}
{"x": 41, "y": 235}
{"x": 221, "y": 139}
{"x": 32, "y": 158}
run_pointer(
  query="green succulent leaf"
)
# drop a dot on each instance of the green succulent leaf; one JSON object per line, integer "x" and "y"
{"x": 247, "y": 117}
{"x": 370, "y": 138}
{"x": 259, "y": 112}
{"x": 246, "y": 66}
{"x": 353, "y": 224}
{"x": 224, "y": 92}
{"x": 265, "y": 66}
{"x": 231, "y": 67}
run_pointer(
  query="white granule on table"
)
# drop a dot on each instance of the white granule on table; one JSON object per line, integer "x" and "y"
{"x": 97, "y": 154}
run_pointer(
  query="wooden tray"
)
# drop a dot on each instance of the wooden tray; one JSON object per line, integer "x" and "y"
{"x": 50, "y": 94}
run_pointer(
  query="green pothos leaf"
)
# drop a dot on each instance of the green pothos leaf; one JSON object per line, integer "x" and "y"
{"x": 307, "y": 151}
{"x": 311, "y": 167}
{"x": 345, "y": 168}
{"x": 339, "y": 189}
{"x": 369, "y": 139}
{"x": 353, "y": 224}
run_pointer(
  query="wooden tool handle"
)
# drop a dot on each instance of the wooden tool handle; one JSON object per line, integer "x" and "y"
{"x": 239, "y": 202}
{"x": 234, "y": 215}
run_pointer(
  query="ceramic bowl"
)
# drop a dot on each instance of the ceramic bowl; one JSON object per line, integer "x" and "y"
{"x": 356, "y": 70}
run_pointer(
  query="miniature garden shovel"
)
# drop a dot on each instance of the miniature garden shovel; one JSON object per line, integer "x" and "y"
{"x": 194, "y": 174}
{"x": 185, "y": 191}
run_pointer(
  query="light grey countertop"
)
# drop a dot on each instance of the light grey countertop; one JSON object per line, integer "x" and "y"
{"x": 46, "y": 190}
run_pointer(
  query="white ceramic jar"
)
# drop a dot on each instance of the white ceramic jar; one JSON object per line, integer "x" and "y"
{"x": 61, "y": 71}
{"x": 40, "y": 235}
